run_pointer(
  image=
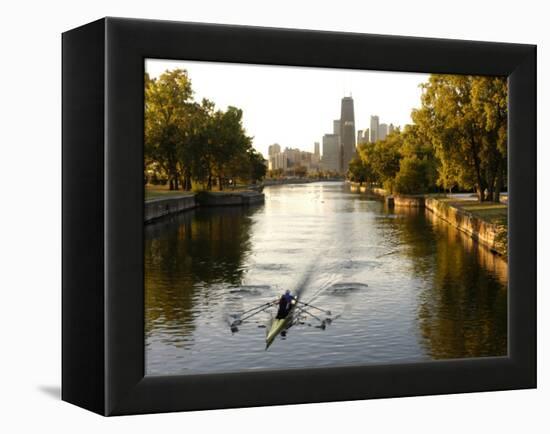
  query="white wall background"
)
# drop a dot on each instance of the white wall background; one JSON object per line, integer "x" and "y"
{"x": 30, "y": 140}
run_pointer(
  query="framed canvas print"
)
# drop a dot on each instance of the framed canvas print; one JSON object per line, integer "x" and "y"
{"x": 256, "y": 216}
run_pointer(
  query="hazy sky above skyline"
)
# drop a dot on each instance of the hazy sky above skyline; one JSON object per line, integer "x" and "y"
{"x": 295, "y": 106}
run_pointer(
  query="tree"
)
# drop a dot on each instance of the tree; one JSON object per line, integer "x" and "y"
{"x": 187, "y": 141}
{"x": 359, "y": 170}
{"x": 167, "y": 101}
{"x": 228, "y": 141}
{"x": 300, "y": 171}
{"x": 258, "y": 168}
{"x": 418, "y": 166}
{"x": 414, "y": 176}
{"x": 383, "y": 156}
{"x": 465, "y": 119}
{"x": 197, "y": 155}
{"x": 490, "y": 102}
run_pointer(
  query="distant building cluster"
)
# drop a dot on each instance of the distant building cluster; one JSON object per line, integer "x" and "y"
{"x": 376, "y": 132}
{"x": 339, "y": 147}
{"x": 292, "y": 159}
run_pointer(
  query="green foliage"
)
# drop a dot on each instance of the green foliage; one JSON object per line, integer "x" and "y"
{"x": 258, "y": 168}
{"x": 360, "y": 171}
{"x": 458, "y": 140}
{"x": 190, "y": 141}
{"x": 300, "y": 171}
{"x": 465, "y": 119}
{"x": 418, "y": 166}
{"x": 414, "y": 176}
{"x": 167, "y": 101}
{"x": 380, "y": 160}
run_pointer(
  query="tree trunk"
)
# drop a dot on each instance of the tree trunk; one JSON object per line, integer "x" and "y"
{"x": 499, "y": 181}
{"x": 220, "y": 183}
{"x": 209, "y": 185}
{"x": 490, "y": 186}
{"x": 171, "y": 184}
{"x": 477, "y": 166}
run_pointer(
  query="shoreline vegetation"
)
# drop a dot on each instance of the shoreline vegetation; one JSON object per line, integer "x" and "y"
{"x": 457, "y": 142}
{"x": 192, "y": 145}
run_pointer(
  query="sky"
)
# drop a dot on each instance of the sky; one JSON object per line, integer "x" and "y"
{"x": 296, "y": 106}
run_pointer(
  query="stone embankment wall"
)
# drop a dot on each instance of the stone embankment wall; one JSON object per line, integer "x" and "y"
{"x": 406, "y": 201}
{"x": 491, "y": 235}
{"x": 164, "y": 206}
{"x": 230, "y": 199}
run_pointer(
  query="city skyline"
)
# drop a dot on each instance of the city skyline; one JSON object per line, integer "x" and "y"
{"x": 294, "y": 106}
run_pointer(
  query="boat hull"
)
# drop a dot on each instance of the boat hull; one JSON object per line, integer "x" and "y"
{"x": 279, "y": 325}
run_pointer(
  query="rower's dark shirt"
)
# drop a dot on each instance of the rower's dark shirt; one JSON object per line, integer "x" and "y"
{"x": 284, "y": 305}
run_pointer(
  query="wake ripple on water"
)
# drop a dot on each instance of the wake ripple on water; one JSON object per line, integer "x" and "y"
{"x": 346, "y": 288}
{"x": 248, "y": 290}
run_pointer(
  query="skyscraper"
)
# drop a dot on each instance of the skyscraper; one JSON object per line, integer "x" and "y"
{"x": 273, "y": 149}
{"x": 382, "y": 131}
{"x": 336, "y": 127}
{"x": 331, "y": 153}
{"x": 391, "y": 128}
{"x": 316, "y": 149}
{"x": 374, "y": 128}
{"x": 347, "y": 132}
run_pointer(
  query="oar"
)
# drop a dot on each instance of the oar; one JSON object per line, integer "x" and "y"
{"x": 322, "y": 321}
{"x": 258, "y": 307}
{"x": 314, "y": 316}
{"x": 262, "y": 308}
{"x": 315, "y": 307}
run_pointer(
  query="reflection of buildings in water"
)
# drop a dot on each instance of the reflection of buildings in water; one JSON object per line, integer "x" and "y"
{"x": 492, "y": 262}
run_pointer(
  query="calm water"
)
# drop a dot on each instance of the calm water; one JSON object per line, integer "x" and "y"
{"x": 401, "y": 285}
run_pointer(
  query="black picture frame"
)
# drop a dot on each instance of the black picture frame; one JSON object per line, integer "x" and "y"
{"x": 103, "y": 289}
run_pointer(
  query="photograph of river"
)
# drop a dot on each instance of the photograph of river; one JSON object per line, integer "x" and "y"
{"x": 289, "y": 226}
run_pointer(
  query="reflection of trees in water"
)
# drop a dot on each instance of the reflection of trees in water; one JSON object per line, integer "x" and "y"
{"x": 186, "y": 256}
{"x": 463, "y": 312}
{"x": 489, "y": 261}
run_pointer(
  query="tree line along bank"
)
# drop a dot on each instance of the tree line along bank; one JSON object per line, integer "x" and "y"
{"x": 458, "y": 141}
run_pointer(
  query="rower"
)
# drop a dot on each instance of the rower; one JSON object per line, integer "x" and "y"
{"x": 285, "y": 303}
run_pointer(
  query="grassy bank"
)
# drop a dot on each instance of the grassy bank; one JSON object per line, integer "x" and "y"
{"x": 490, "y": 212}
{"x": 494, "y": 214}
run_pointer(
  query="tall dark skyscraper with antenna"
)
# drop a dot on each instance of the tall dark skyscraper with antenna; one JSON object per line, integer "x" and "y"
{"x": 347, "y": 133}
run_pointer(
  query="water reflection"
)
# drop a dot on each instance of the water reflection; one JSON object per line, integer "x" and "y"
{"x": 464, "y": 312}
{"x": 187, "y": 257}
{"x": 403, "y": 285}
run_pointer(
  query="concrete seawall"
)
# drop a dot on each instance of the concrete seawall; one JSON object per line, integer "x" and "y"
{"x": 488, "y": 234}
{"x": 163, "y": 206}
{"x": 230, "y": 199}
{"x": 406, "y": 201}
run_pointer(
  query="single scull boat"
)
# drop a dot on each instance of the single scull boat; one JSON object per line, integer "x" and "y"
{"x": 280, "y": 324}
